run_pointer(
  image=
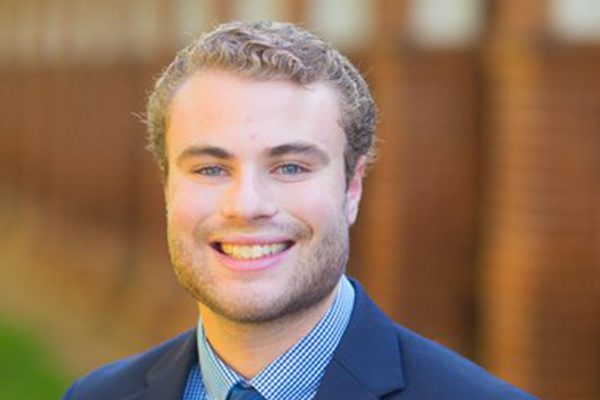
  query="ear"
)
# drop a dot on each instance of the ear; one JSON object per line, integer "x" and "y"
{"x": 354, "y": 192}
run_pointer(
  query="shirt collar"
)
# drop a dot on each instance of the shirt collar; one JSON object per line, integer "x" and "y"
{"x": 296, "y": 373}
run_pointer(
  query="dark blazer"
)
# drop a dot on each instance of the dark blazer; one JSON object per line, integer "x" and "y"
{"x": 376, "y": 359}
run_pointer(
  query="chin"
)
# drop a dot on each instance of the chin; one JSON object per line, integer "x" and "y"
{"x": 255, "y": 308}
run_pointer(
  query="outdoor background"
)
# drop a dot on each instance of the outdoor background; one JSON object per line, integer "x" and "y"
{"x": 480, "y": 221}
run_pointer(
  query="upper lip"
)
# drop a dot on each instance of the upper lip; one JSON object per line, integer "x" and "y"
{"x": 251, "y": 239}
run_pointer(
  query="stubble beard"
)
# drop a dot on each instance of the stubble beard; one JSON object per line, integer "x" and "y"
{"x": 314, "y": 277}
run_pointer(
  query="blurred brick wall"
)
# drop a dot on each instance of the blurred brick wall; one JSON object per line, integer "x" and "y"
{"x": 83, "y": 246}
{"x": 540, "y": 271}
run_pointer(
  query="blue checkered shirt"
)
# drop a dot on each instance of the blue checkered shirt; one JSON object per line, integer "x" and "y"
{"x": 295, "y": 375}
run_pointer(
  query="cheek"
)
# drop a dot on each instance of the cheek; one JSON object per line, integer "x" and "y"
{"x": 315, "y": 205}
{"x": 187, "y": 206}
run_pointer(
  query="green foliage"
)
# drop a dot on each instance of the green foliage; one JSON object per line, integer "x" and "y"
{"x": 27, "y": 370}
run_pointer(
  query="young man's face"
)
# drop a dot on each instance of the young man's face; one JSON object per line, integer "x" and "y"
{"x": 257, "y": 207}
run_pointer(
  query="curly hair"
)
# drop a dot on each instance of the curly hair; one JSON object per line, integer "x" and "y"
{"x": 268, "y": 50}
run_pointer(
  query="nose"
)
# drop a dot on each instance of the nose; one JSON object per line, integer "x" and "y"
{"x": 247, "y": 198}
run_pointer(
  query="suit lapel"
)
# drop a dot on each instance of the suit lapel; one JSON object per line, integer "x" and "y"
{"x": 339, "y": 383}
{"x": 367, "y": 362}
{"x": 166, "y": 379}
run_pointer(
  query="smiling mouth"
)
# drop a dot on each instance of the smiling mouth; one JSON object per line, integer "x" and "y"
{"x": 251, "y": 251}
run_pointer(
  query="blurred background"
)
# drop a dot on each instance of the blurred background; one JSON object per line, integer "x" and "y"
{"x": 480, "y": 221}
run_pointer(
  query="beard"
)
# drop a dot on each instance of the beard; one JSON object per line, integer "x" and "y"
{"x": 311, "y": 273}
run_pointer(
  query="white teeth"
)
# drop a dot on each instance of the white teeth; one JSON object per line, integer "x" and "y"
{"x": 247, "y": 252}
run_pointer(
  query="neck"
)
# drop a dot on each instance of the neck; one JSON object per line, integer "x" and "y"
{"x": 249, "y": 348}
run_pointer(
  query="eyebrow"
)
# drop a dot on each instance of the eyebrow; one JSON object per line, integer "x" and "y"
{"x": 299, "y": 148}
{"x": 295, "y": 148}
{"x": 198, "y": 151}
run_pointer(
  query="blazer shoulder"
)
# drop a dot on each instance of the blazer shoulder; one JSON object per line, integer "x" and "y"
{"x": 434, "y": 371}
{"x": 387, "y": 360}
{"x": 124, "y": 377}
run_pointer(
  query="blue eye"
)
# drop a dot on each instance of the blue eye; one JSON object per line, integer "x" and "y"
{"x": 212, "y": 170}
{"x": 291, "y": 169}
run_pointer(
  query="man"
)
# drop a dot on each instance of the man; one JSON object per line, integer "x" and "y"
{"x": 263, "y": 133}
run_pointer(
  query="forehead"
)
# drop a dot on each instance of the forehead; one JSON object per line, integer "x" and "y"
{"x": 228, "y": 110}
